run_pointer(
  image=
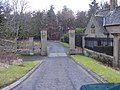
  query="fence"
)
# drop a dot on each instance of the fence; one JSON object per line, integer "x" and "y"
{"x": 102, "y": 45}
{"x": 78, "y": 40}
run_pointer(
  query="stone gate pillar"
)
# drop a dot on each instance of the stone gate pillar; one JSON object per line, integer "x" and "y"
{"x": 31, "y": 45}
{"x": 83, "y": 44}
{"x": 116, "y": 50}
{"x": 44, "y": 42}
{"x": 72, "y": 41}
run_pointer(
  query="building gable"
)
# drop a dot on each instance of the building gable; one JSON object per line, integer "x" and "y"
{"x": 95, "y": 28}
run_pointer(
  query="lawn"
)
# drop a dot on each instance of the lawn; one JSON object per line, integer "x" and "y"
{"x": 64, "y": 44}
{"x": 11, "y": 74}
{"x": 105, "y": 72}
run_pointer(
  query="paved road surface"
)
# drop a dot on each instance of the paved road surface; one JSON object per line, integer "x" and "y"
{"x": 57, "y": 72}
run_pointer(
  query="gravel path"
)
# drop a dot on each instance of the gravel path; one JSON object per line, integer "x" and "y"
{"x": 57, "y": 72}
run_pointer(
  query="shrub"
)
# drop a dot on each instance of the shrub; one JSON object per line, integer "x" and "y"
{"x": 65, "y": 38}
{"x": 79, "y": 30}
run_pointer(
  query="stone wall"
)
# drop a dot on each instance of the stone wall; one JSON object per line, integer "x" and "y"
{"x": 119, "y": 53}
{"x": 7, "y": 45}
{"x": 9, "y": 58}
{"x": 103, "y": 58}
{"x": 7, "y": 53}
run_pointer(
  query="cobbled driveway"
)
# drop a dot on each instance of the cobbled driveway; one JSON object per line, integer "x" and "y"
{"x": 57, "y": 72}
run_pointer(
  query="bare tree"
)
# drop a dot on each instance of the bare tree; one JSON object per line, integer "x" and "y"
{"x": 5, "y": 27}
{"x": 19, "y": 6}
{"x": 23, "y": 5}
{"x": 15, "y": 6}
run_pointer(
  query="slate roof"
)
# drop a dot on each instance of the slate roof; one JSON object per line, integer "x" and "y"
{"x": 108, "y": 18}
{"x": 102, "y": 12}
{"x": 113, "y": 17}
{"x": 99, "y": 15}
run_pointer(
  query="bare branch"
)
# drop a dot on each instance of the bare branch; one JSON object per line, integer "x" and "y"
{"x": 15, "y": 6}
{"x": 23, "y": 5}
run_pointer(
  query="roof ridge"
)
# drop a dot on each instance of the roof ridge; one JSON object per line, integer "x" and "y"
{"x": 102, "y": 10}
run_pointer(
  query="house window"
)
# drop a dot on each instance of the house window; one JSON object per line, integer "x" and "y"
{"x": 92, "y": 29}
{"x": 99, "y": 43}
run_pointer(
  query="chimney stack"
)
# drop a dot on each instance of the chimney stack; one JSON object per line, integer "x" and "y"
{"x": 113, "y": 4}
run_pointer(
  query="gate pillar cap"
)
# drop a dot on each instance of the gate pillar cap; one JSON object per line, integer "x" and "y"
{"x": 44, "y": 30}
{"x": 115, "y": 34}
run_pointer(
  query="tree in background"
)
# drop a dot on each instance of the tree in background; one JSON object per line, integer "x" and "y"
{"x": 15, "y": 22}
{"x": 66, "y": 19}
{"x": 93, "y": 8}
{"x": 81, "y": 19}
{"x": 19, "y": 7}
{"x": 105, "y": 5}
{"x": 37, "y": 23}
{"x": 5, "y": 24}
{"x": 52, "y": 23}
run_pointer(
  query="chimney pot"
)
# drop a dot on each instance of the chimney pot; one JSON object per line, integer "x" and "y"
{"x": 113, "y": 4}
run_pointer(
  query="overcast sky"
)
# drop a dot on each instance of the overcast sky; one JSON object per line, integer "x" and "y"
{"x": 75, "y": 5}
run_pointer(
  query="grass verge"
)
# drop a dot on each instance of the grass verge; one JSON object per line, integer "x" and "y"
{"x": 107, "y": 73}
{"x": 13, "y": 73}
{"x": 64, "y": 44}
{"x": 26, "y": 55}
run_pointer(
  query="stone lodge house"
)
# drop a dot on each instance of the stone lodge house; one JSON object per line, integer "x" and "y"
{"x": 97, "y": 24}
{"x": 106, "y": 24}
